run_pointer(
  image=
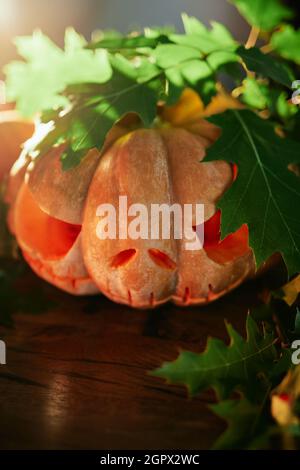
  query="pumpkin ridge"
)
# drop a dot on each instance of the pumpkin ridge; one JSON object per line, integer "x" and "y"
{"x": 59, "y": 193}
{"x": 173, "y": 197}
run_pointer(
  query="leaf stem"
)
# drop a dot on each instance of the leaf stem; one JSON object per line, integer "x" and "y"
{"x": 267, "y": 48}
{"x": 253, "y": 37}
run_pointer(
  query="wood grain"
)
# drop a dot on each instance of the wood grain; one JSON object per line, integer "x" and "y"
{"x": 76, "y": 376}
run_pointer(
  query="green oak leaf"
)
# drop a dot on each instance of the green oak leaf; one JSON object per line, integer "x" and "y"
{"x": 283, "y": 106}
{"x": 195, "y": 57}
{"x": 185, "y": 66}
{"x": 226, "y": 368}
{"x": 266, "y": 195}
{"x": 205, "y": 40}
{"x": 264, "y": 14}
{"x": 37, "y": 84}
{"x": 266, "y": 65}
{"x": 86, "y": 124}
{"x": 294, "y": 131}
{"x": 146, "y": 71}
{"x": 248, "y": 425}
{"x": 128, "y": 42}
{"x": 286, "y": 42}
{"x": 171, "y": 55}
{"x": 71, "y": 158}
{"x": 159, "y": 31}
{"x": 218, "y": 59}
{"x": 258, "y": 95}
{"x": 255, "y": 94}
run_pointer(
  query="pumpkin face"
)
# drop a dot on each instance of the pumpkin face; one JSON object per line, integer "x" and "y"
{"x": 55, "y": 220}
{"x": 161, "y": 166}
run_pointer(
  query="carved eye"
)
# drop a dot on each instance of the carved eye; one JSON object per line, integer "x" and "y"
{"x": 162, "y": 259}
{"x": 212, "y": 230}
{"x": 122, "y": 258}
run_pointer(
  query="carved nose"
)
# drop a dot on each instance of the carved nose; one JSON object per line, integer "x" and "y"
{"x": 162, "y": 259}
{"x": 122, "y": 258}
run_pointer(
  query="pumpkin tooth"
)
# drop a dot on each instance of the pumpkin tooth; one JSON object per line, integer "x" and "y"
{"x": 211, "y": 295}
{"x": 129, "y": 297}
{"x": 162, "y": 259}
{"x": 187, "y": 295}
{"x": 78, "y": 285}
{"x": 122, "y": 258}
{"x": 151, "y": 299}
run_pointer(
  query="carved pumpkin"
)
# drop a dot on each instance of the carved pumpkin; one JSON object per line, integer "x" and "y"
{"x": 13, "y": 132}
{"x": 54, "y": 215}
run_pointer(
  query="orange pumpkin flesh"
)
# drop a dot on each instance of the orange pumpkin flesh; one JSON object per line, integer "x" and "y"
{"x": 48, "y": 236}
{"x": 54, "y": 217}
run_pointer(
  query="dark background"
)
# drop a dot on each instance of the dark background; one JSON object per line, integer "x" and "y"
{"x": 19, "y": 17}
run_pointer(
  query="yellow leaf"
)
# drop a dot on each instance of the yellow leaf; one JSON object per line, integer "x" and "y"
{"x": 291, "y": 291}
{"x": 190, "y": 107}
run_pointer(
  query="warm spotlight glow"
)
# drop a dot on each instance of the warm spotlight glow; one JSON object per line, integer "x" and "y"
{"x": 7, "y": 13}
{"x": 2, "y": 92}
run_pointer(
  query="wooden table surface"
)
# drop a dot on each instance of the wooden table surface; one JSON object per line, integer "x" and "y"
{"x": 76, "y": 376}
